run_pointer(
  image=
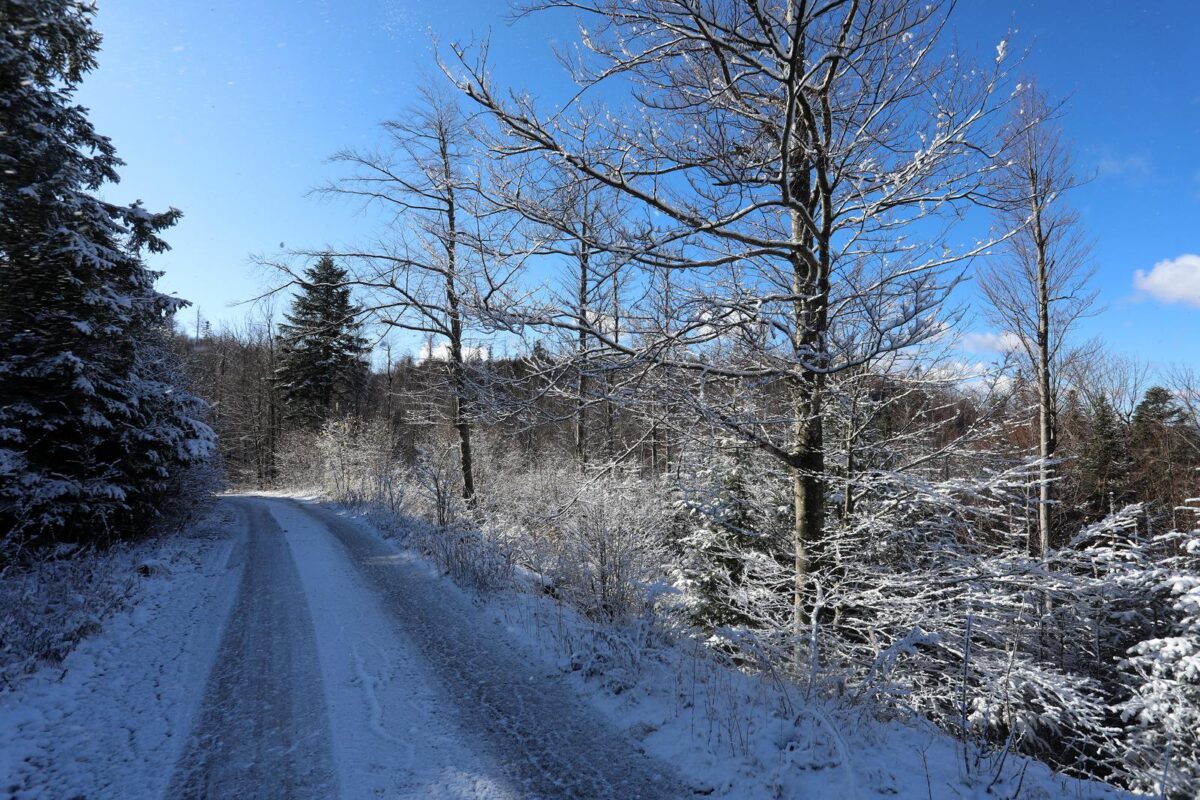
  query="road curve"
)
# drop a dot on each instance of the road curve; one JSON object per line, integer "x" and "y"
{"x": 469, "y": 700}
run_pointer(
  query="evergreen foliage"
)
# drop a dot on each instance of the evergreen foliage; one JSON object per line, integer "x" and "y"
{"x": 739, "y": 518}
{"x": 322, "y": 370}
{"x": 1164, "y": 708}
{"x": 1165, "y": 451}
{"x": 1103, "y": 469}
{"x": 92, "y": 427}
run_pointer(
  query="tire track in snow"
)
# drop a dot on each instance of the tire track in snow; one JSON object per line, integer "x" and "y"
{"x": 262, "y": 729}
{"x": 394, "y": 729}
{"x": 541, "y": 734}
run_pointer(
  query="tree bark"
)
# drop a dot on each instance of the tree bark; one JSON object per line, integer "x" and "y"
{"x": 454, "y": 314}
{"x": 848, "y": 499}
{"x": 1046, "y": 416}
{"x": 610, "y": 412}
{"x": 807, "y": 190}
{"x": 581, "y": 454}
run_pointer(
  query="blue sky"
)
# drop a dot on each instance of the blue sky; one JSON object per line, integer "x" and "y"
{"x": 228, "y": 110}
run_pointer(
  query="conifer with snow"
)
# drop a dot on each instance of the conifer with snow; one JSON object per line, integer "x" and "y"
{"x": 738, "y": 538}
{"x": 321, "y": 368}
{"x": 1164, "y": 709}
{"x": 92, "y": 429}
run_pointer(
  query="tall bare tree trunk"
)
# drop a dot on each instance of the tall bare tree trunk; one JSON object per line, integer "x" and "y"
{"x": 458, "y": 370}
{"x": 808, "y": 454}
{"x": 462, "y": 425}
{"x": 810, "y": 289}
{"x": 610, "y": 427}
{"x": 581, "y": 454}
{"x": 1039, "y": 288}
{"x": 1046, "y": 417}
{"x": 851, "y": 437}
{"x": 272, "y": 407}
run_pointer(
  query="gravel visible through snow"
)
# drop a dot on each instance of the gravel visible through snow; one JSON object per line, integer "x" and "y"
{"x": 262, "y": 730}
{"x": 513, "y": 728}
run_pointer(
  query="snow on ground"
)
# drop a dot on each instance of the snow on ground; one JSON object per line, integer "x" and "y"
{"x": 749, "y": 737}
{"x": 262, "y": 730}
{"x": 289, "y": 652}
{"x": 735, "y": 735}
{"x": 392, "y": 727}
{"x": 419, "y": 689}
{"x": 431, "y": 698}
{"x": 110, "y": 719}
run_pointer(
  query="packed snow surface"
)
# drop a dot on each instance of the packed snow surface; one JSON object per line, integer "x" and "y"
{"x": 307, "y": 658}
{"x": 288, "y": 650}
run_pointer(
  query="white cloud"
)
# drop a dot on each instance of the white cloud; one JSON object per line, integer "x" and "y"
{"x": 991, "y": 342}
{"x": 441, "y": 352}
{"x": 1132, "y": 166}
{"x": 1175, "y": 280}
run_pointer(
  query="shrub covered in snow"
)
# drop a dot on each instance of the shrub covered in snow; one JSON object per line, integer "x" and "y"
{"x": 924, "y": 604}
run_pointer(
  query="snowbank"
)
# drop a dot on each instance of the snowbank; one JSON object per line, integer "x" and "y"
{"x": 108, "y": 721}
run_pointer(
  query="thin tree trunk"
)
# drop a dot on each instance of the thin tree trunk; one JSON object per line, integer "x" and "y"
{"x": 848, "y": 500}
{"x": 610, "y": 438}
{"x": 272, "y": 407}
{"x": 458, "y": 381}
{"x": 654, "y": 449}
{"x": 581, "y": 454}
{"x": 464, "y": 437}
{"x": 1046, "y": 422}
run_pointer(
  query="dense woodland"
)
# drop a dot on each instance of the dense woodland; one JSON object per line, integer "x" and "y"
{"x": 696, "y": 353}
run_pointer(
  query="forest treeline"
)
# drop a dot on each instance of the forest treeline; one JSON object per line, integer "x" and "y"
{"x": 696, "y": 350}
{"x": 687, "y": 347}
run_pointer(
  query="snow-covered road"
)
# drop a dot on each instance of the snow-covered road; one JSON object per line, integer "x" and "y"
{"x": 263, "y": 729}
{"x": 280, "y": 649}
{"x": 347, "y": 669}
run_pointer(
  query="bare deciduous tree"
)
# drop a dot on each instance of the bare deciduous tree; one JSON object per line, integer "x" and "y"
{"x": 1038, "y": 286}
{"x": 439, "y": 258}
{"x": 777, "y": 155}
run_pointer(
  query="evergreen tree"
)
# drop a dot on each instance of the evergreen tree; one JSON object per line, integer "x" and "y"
{"x": 1103, "y": 467}
{"x": 736, "y": 535}
{"x": 321, "y": 369}
{"x": 1158, "y": 409}
{"x": 1159, "y": 449}
{"x": 1163, "y": 712}
{"x": 92, "y": 426}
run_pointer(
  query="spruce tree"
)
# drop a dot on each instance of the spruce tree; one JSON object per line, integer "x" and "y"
{"x": 321, "y": 369}
{"x": 92, "y": 427}
{"x": 736, "y": 528}
{"x": 1103, "y": 471}
{"x": 1156, "y": 445}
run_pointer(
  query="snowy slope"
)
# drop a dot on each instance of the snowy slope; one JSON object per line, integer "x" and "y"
{"x": 110, "y": 720}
